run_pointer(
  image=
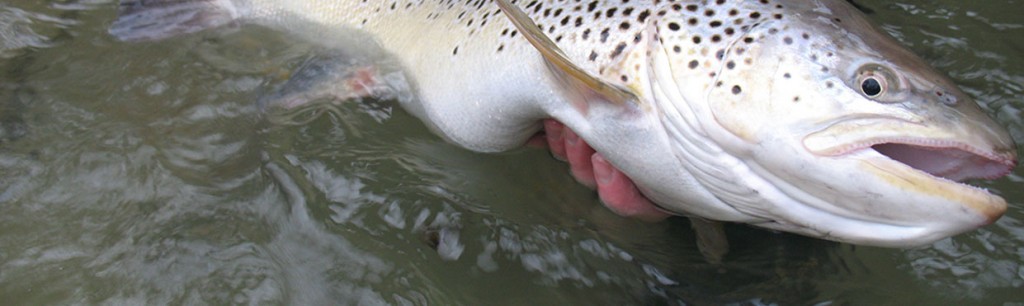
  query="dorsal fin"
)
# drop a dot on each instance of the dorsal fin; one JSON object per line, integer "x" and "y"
{"x": 557, "y": 60}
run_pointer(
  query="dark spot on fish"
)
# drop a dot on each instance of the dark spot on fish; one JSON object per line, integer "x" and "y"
{"x": 673, "y": 26}
{"x": 643, "y": 16}
{"x": 696, "y": 39}
{"x": 618, "y": 50}
{"x": 694, "y": 64}
{"x": 736, "y": 90}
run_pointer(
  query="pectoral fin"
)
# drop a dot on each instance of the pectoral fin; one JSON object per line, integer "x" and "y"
{"x": 560, "y": 64}
{"x": 711, "y": 239}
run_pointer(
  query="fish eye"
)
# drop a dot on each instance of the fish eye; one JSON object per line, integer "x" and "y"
{"x": 871, "y": 87}
{"x": 874, "y": 81}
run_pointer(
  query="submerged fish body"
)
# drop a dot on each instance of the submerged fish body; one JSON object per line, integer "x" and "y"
{"x": 791, "y": 115}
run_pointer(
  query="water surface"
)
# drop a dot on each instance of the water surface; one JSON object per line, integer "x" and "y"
{"x": 147, "y": 173}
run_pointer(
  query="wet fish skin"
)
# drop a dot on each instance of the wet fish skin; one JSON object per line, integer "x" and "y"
{"x": 760, "y": 112}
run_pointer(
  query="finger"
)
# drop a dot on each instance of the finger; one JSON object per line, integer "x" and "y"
{"x": 578, "y": 154}
{"x": 620, "y": 195}
{"x": 553, "y": 131}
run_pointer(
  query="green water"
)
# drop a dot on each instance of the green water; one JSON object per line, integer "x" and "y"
{"x": 146, "y": 174}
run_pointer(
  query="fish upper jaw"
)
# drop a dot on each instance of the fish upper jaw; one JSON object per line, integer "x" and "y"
{"x": 950, "y": 153}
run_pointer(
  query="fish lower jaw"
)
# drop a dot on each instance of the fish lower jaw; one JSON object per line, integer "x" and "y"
{"x": 865, "y": 233}
{"x": 918, "y": 182}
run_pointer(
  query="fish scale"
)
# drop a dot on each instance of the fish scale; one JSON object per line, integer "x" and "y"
{"x": 792, "y": 115}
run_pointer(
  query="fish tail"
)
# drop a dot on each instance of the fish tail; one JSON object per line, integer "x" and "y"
{"x": 158, "y": 19}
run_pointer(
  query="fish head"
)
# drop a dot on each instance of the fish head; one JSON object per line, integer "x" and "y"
{"x": 839, "y": 131}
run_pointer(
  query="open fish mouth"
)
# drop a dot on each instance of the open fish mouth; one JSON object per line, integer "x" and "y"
{"x": 945, "y": 154}
{"x": 948, "y": 160}
{"x": 925, "y": 168}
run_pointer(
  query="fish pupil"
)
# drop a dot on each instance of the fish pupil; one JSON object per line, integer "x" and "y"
{"x": 871, "y": 87}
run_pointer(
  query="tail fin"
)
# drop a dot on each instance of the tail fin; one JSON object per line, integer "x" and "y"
{"x": 158, "y": 19}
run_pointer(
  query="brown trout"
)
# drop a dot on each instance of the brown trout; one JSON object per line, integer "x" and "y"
{"x": 799, "y": 116}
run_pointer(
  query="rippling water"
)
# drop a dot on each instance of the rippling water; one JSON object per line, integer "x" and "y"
{"x": 148, "y": 174}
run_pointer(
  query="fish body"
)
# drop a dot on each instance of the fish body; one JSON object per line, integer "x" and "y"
{"x": 798, "y": 116}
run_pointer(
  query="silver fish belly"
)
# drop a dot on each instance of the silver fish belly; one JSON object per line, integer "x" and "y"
{"x": 798, "y": 116}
